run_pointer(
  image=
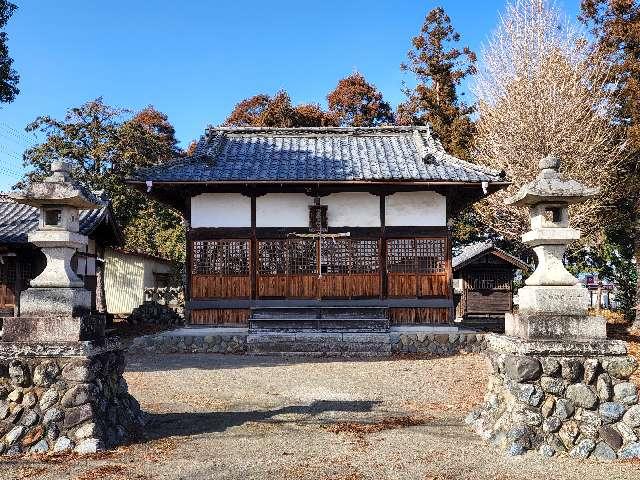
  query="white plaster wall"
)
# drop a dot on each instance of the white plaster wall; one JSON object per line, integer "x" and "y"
{"x": 283, "y": 210}
{"x": 220, "y": 210}
{"x": 352, "y": 209}
{"x": 405, "y": 209}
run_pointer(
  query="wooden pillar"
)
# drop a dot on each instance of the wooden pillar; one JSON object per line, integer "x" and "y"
{"x": 188, "y": 258}
{"x": 253, "y": 254}
{"x": 383, "y": 248}
{"x": 17, "y": 287}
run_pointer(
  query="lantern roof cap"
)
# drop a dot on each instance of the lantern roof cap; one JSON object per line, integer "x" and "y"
{"x": 550, "y": 187}
{"x": 58, "y": 189}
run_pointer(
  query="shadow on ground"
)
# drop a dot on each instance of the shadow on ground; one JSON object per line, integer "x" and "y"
{"x": 161, "y": 425}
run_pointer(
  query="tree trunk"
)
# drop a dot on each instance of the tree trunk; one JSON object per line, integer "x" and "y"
{"x": 636, "y": 240}
{"x": 101, "y": 298}
{"x": 599, "y": 297}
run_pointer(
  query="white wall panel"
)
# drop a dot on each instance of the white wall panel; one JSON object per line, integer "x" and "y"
{"x": 220, "y": 210}
{"x": 283, "y": 210}
{"x": 408, "y": 209}
{"x": 352, "y": 209}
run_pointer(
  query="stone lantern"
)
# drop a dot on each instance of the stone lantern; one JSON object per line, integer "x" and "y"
{"x": 557, "y": 384}
{"x": 56, "y": 306}
{"x": 55, "y": 353}
{"x": 553, "y": 304}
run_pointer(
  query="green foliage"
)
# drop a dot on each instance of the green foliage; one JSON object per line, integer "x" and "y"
{"x": 157, "y": 230}
{"x": 8, "y": 76}
{"x": 612, "y": 260}
{"x": 105, "y": 145}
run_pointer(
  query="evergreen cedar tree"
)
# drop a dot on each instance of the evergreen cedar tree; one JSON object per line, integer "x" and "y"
{"x": 105, "y": 146}
{"x": 439, "y": 68}
{"x": 8, "y": 76}
{"x": 615, "y": 25}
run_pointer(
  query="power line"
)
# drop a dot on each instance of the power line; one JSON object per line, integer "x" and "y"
{"x": 11, "y": 153}
{"x": 18, "y": 135}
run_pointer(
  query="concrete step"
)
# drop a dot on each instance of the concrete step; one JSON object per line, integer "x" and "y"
{"x": 319, "y": 343}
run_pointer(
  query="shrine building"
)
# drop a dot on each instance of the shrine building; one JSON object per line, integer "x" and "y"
{"x": 306, "y": 224}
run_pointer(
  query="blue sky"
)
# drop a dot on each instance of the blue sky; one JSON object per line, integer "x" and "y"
{"x": 194, "y": 60}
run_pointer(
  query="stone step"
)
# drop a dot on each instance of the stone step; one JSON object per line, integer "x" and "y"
{"x": 320, "y": 324}
{"x": 319, "y": 343}
{"x": 321, "y": 319}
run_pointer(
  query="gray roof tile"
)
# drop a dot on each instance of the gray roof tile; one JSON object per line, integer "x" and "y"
{"x": 475, "y": 250}
{"x": 17, "y": 220}
{"x": 319, "y": 154}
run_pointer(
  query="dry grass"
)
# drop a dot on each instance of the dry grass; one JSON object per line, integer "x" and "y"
{"x": 25, "y": 473}
{"x": 360, "y": 430}
{"x": 110, "y": 472}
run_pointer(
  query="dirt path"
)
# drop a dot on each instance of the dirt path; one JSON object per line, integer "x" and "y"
{"x": 234, "y": 417}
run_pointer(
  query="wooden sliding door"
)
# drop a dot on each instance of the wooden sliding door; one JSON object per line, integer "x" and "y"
{"x": 220, "y": 269}
{"x": 318, "y": 268}
{"x": 287, "y": 268}
{"x": 418, "y": 267}
{"x": 350, "y": 268}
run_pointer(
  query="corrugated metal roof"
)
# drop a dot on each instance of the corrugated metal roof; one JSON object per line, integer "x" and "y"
{"x": 17, "y": 220}
{"x": 475, "y": 250}
{"x": 319, "y": 154}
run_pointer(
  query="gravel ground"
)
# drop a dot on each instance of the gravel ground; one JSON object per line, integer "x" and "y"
{"x": 243, "y": 417}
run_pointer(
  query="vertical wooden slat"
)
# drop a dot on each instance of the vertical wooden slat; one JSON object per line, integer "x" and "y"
{"x": 188, "y": 258}
{"x": 383, "y": 249}
{"x": 253, "y": 254}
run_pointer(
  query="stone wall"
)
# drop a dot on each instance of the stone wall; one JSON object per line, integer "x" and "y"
{"x": 53, "y": 402}
{"x": 581, "y": 406}
{"x": 209, "y": 343}
{"x": 437, "y": 343}
{"x": 236, "y": 343}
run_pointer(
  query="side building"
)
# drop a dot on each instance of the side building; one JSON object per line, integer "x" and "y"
{"x": 483, "y": 285}
{"x": 318, "y": 218}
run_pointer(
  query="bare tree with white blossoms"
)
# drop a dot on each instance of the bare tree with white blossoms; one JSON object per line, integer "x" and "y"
{"x": 542, "y": 90}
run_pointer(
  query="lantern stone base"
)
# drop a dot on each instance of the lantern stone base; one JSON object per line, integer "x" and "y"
{"x": 555, "y": 326}
{"x": 563, "y": 300}
{"x": 560, "y": 397}
{"x": 55, "y": 301}
{"x": 65, "y": 396}
{"x": 54, "y": 329}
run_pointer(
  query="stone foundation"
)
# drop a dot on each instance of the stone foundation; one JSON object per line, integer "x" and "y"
{"x": 437, "y": 343}
{"x": 560, "y": 398}
{"x": 65, "y": 397}
{"x": 234, "y": 341}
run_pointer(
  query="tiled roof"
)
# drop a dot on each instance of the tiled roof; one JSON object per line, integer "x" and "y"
{"x": 17, "y": 220}
{"x": 319, "y": 154}
{"x": 475, "y": 250}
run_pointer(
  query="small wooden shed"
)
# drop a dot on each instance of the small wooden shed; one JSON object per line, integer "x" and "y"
{"x": 483, "y": 285}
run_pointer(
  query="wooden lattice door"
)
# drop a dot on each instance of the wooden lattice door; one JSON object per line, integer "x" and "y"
{"x": 7, "y": 282}
{"x": 350, "y": 268}
{"x": 418, "y": 267}
{"x": 318, "y": 268}
{"x": 288, "y": 268}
